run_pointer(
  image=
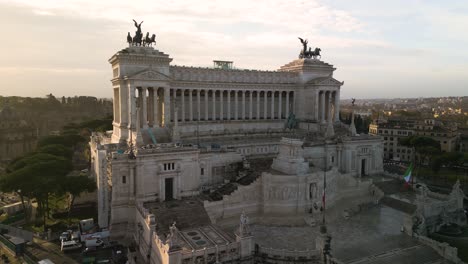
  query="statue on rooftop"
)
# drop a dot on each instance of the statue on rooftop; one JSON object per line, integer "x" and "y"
{"x": 139, "y": 39}
{"x": 307, "y": 54}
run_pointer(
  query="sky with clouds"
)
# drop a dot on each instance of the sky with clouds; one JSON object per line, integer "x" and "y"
{"x": 381, "y": 49}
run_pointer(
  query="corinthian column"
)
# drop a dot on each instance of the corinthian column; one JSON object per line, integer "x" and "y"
{"x": 258, "y": 104}
{"x": 337, "y": 106}
{"x": 280, "y": 104}
{"x": 236, "y": 108}
{"x": 214, "y": 104}
{"x": 243, "y": 105}
{"x": 228, "y": 104}
{"x": 198, "y": 105}
{"x": 250, "y": 104}
{"x": 287, "y": 104}
{"x": 265, "y": 104}
{"x": 182, "y": 94}
{"x": 145, "y": 107}
{"x": 167, "y": 106}
{"x": 190, "y": 105}
{"x": 206, "y": 105}
{"x": 322, "y": 106}
{"x": 272, "y": 105}
{"x": 221, "y": 105}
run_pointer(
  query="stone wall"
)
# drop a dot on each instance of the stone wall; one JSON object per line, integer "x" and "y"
{"x": 245, "y": 199}
{"x": 444, "y": 249}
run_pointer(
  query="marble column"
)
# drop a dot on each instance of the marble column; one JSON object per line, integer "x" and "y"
{"x": 221, "y": 105}
{"x": 293, "y": 107}
{"x": 272, "y": 105}
{"x": 287, "y": 104}
{"x": 145, "y": 106}
{"x": 250, "y": 105}
{"x": 236, "y": 104}
{"x": 198, "y": 105}
{"x": 265, "y": 104}
{"x": 190, "y": 105}
{"x": 228, "y": 104}
{"x": 155, "y": 108}
{"x": 213, "y": 94}
{"x": 182, "y": 94}
{"x": 243, "y": 104}
{"x": 317, "y": 105}
{"x": 322, "y": 107}
{"x": 167, "y": 106}
{"x": 327, "y": 105}
{"x": 132, "y": 107}
{"x": 258, "y": 104}
{"x": 280, "y": 105}
{"x": 175, "y": 106}
{"x": 337, "y": 106}
{"x": 206, "y": 105}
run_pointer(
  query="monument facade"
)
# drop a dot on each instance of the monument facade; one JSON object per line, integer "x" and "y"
{"x": 182, "y": 133}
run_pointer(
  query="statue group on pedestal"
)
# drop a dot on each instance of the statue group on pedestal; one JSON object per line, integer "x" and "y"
{"x": 308, "y": 54}
{"x": 138, "y": 39}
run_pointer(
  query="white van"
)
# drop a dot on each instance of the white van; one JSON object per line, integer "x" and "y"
{"x": 94, "y": 242}
{"x": 70, "y": 245}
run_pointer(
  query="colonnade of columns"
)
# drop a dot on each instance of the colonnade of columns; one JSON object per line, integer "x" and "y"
{"x": 214, "y": 104}
{"x": 151, "y": 102}
{"x": 328, "y": 103}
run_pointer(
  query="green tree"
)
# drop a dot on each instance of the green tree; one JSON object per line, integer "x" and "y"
{"x": 75, "y": 185}
{"x": 36, "y": 176}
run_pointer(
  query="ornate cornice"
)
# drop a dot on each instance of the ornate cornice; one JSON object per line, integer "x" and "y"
{"x": 183, "y": 73}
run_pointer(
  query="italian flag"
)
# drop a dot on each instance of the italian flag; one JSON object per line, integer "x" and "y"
{"x": 407, "y": 175}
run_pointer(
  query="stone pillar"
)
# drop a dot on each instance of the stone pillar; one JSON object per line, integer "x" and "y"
{"x": 144, "y": 101}
{"x": 327, "y": 105}
{"x": 294, "y": 102}
{"x": 182, "y": 98}
{"x": 174, "y": 99}
{"x": 150, "y": 101}
{"x": 132, "y": 106}
{"x": 206, "y": 105}
{"x": 155, "y": 108}
{"x": 167, "y": 106}
{"x": 250, "y": 105}
{"x": 287, "y": 104}
{"x": 221, "y": 105}
{"x": 213, "y": 93}
{"x": 258, "y": 104}
{"x": 280, "y": 104}
{"x": 316, "y": 105}
{"x": 337, "y": 106}
{"x": 236, "y": 104}
{"x": 243, "y": 104}
{"x": 228, "y": 104}
{"x": 190, "y": 105}
{"x": 198, "y": 105}
{"x": 322, "y": 107}
{"x": 265, "y": 104}
{"x": 273, "y": 105}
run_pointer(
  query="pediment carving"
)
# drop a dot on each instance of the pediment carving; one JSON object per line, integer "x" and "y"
{"x": 326, "y": 81}
{"x": 150, "y": 75}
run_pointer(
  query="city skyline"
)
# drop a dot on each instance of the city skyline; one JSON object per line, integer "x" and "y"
{"x": 380, "y": 50}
